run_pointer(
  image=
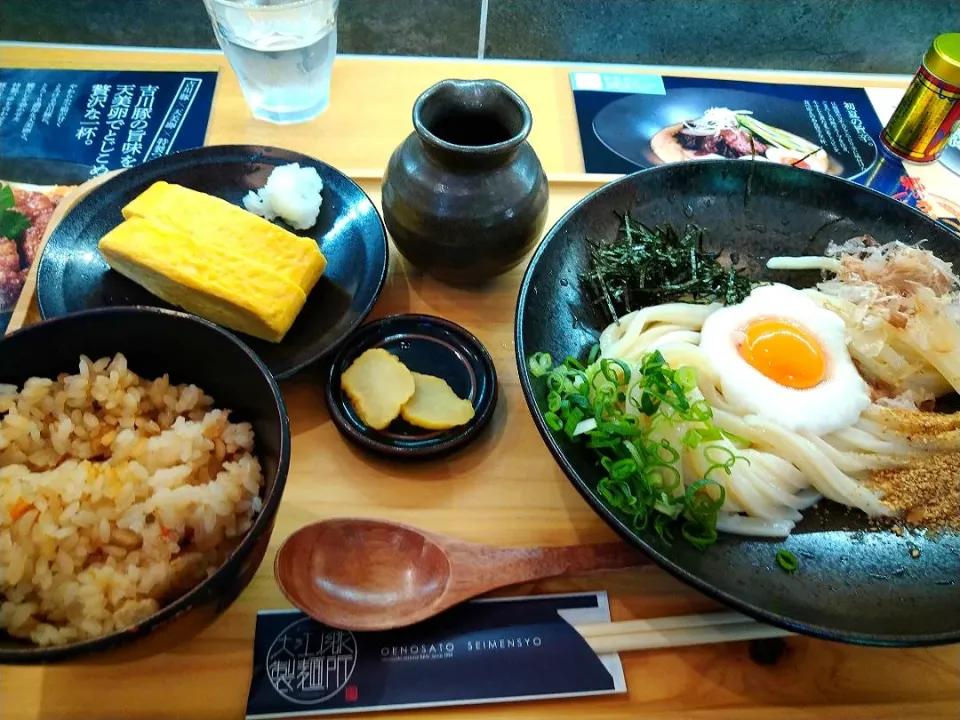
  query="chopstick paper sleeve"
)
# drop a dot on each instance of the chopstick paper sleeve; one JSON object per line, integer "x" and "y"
{"x": 482, "y": 652}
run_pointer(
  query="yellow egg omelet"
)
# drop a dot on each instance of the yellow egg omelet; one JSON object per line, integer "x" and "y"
{"x": 225, "y": 225}
{"x": 214, "y": 259}
{"x": 209, "y": 281}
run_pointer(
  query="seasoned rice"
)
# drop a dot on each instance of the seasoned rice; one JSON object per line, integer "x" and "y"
{"x": 117, "y": 495}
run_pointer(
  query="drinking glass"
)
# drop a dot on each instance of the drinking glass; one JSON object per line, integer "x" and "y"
{"x": 282, "y": 52}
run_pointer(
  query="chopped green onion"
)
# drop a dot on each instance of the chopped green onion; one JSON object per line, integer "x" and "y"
{"x": 661, "y": 525}
{"x": 580, "y": 401}
{"x": 585, "y": 426}
{"x": 557, "y": 380}
{"x": 727, "y": 464}
{"x": 625, "y": 429}
{"x": 572, "y": 422}
{"x": 602, "y": 441}
{"x": 686, "y": 377}
{"x": 700, "y": 411}
{"x": 617, "y": 493}
{"x": 735, "y": 439}
{"x": 620, "y": 410}
{"x": 691, "y": 438}
{"x": 787, "y": 560}
{"x": 608, "y": 370}
{"x": 669, "y": 507}
{"x": 594, "y": 354}
{"x": 540, "y": 364}
{"x": 553, "y": 401}
{"x": 698, "y": 535}
{"x": 710, "y": 434}
{"x": 622, "y": 469}
{"x": 676, "y": 478}
{"x": 641, "y": 518}
{"x": 666, "y": 453}
{"x": 649, "y": 404}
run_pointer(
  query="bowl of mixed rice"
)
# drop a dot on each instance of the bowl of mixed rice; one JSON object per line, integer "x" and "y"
{"x": 143, "y": 454}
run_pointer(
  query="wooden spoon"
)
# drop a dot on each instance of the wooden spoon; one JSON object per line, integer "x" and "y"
{"x": 359, "y": 574}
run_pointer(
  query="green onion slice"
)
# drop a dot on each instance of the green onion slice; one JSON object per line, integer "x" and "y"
{"x": 788, "y": 561}
{"x": 553, "y": 421}
{"x": 540, "y": 364}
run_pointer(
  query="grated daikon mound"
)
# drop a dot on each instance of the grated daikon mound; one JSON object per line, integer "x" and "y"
{"x": 291, "y": 193}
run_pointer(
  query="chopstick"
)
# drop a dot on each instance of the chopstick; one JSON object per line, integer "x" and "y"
{"x": 675, "y": 631}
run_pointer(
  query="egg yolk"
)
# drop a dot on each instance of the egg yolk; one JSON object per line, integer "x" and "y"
{"x": 784, "y": 352}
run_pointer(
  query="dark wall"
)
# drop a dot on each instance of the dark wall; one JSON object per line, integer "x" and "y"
{"x": 883, "y": 36}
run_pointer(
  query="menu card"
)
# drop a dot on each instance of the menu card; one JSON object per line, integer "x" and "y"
{"x": 62, "y": 126}
{"x": 58, "y": 128}
{"x": 630, "y": 122}
{"x": 485, "y": 651}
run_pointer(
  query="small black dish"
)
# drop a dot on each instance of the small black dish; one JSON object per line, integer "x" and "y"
{"x": 428, "y": 345}
{"x": 73, "y": 276}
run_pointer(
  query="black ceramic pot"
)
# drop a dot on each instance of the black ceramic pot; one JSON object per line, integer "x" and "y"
{"x": 464, "y": 196}
{"x": 189, "y": 349}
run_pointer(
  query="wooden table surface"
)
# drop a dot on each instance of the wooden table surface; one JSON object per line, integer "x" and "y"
{"x": 504, "y": 489}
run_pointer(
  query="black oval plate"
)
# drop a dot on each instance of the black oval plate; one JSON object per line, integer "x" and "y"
{"x": 627, "y": 125}
{"x": 428, "y": 345}
{"x": 73, "y": 276}
{"x": 854, "y": 584}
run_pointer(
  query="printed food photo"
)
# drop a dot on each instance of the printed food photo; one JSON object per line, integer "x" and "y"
{"x": 25, "y": 211}
{"x": 691, "y": 121}
{"x": 724, "y": 133}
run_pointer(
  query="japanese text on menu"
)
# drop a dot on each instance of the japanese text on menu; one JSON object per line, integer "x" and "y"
{"x": 119, "y": 120}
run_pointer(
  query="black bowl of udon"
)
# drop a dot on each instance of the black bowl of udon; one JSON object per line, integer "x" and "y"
{"x": 777, "y": 548}
{"x": 133, "y": 510}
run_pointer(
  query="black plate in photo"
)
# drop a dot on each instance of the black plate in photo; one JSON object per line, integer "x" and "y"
{"x": 427, "y": 345}
{"x": 43, "y": 171}
{"x": 626, "y": 126}
{"x": 73, "y": 275}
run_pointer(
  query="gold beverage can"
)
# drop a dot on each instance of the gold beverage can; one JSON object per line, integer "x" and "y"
{"x": 930, "y": 109}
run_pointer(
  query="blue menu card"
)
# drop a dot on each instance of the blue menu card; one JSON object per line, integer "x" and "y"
{"x": 99, "y": 120}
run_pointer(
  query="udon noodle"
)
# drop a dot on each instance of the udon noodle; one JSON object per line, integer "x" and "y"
{"x": 780, "y": 472}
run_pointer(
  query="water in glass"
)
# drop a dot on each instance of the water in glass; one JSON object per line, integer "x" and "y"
{"x": 282, "y": 52}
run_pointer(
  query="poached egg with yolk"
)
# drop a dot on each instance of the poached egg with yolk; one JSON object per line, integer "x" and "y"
{"x": 784, "y": 358}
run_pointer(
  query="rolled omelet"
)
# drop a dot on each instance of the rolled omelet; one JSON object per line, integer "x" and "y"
{"x": 226, "y": 226}
{"x": 207, "y": 279}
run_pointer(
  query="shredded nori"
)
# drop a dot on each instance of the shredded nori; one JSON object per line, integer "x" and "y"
{"x": 643, "y": 266}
